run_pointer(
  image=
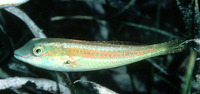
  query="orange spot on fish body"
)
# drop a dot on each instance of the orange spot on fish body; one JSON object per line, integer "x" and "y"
{"x": 43, "y": 55}
{"x": 81, "y": 52}
{"x": 48, "y": 53}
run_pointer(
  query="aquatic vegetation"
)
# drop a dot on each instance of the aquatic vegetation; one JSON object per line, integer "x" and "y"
{"x": 8, "y": 3}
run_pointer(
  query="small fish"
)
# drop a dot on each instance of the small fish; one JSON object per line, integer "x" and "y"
{"x": 78, "y": 55}
{"x": 7, "y": 3}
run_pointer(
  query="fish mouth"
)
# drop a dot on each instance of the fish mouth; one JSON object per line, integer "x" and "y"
{"x": 18, "y": 57}
{"x": 18, "y": 54}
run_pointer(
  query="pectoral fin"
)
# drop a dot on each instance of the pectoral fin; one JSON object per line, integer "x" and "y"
{"x": 73, "y": 61}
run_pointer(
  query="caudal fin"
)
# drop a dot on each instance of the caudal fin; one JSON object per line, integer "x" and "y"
{"x": 173, "y": 46}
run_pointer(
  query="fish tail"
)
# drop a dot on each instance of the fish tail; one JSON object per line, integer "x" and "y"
{"x": 173, "y": 46}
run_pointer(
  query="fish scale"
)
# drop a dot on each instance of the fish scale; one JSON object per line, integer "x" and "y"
{"x": 77, "y": 55}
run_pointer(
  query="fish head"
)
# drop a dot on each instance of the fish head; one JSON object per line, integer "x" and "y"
{"x": 41, "y": 53}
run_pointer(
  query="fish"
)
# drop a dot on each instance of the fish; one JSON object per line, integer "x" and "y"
{"x": 8, "y": 3}
{"x": 69, "y": 55}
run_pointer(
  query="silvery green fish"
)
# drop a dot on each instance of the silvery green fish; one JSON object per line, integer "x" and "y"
{"x": 78, "y": 55}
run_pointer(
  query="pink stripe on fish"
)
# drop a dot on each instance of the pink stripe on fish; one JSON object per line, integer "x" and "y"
{"x": 34, "y": 57}
{"x": 26, "y": 55}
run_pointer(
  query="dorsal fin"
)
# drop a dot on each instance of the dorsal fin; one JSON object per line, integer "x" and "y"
{"x": 110, "y": 42}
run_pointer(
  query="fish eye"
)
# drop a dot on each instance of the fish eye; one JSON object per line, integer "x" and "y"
{"x": 38, "y": 51}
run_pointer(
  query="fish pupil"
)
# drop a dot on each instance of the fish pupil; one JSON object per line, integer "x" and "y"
{"x": 38, "y": 51}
